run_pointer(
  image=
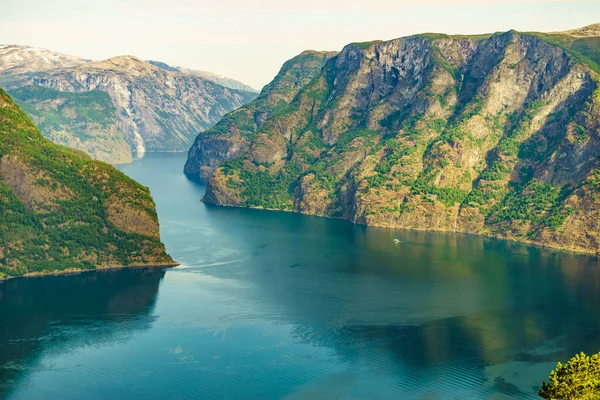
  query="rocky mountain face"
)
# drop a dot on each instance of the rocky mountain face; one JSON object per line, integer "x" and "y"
{"x": 154, "y": 109}
{"x": 234, "y": 133}
{"x": 61, "y": 210}
{"x": 216, "y": 78}
{"x": 494, "y": 134}
{"x": 158, "y": 110}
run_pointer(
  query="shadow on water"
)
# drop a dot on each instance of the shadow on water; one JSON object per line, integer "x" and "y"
{"x": 60, "y": 313}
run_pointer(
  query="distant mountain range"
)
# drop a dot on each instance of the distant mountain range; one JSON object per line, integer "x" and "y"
{"x": 131, "y": 106}
{"x": 495, "y": 134}
{"x": 17, "y": 62}
{"x": 216, "y": 78}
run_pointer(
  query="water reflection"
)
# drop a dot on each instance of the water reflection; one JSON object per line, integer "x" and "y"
{"x": 441, "y": 314}
{"x": 50, "y": 315}
{"x": 434, "y": 310}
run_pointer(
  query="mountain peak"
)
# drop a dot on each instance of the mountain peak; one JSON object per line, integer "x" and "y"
{"x": 124, "y": 59}
{"x": 125, "y": 63}
{"x": 19, "y": 59}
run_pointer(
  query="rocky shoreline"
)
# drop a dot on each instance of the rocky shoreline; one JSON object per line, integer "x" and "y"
{"x": 574, "y": 250}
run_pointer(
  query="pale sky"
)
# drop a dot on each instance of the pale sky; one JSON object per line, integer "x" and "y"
{"x": 250, "y": 39}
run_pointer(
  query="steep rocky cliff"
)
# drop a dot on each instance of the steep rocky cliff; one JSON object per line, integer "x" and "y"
{"x": 61, "y": 210}
{"x": 492, "y": 134}
{"x": 233, "y": 134}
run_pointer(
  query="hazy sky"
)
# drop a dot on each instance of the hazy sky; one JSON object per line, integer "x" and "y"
{"x": 250, "y": 39}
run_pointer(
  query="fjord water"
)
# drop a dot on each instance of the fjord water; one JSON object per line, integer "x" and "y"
{"x": 270, "y": 305}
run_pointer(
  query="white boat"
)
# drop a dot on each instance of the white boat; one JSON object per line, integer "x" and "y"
{"x": 396, "y": 241}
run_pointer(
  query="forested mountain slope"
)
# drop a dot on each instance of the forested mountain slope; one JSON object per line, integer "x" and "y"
{"x": 61, "y": 210}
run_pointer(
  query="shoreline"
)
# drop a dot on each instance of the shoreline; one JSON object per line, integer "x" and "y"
{"x": 79, "y": 271}
{"x": 570, "y": 250}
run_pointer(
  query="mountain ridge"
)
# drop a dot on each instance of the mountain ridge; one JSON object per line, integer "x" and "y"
{"x": 13, "y": 57}
{"x": 211, "y": 76}
{"x": 18, "y": 59}
{"x": 205, "y": 155}
{"x": 154, "y": 109}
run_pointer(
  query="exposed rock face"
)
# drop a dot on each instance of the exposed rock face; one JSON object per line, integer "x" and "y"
{"x": 492, "y": 134}
{"x": 61, "y": 210}
{"x": 159, "y": 110}
{"x": 232, "y": 136}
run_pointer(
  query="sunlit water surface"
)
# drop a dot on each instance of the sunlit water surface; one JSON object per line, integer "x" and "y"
{"x": 270, "y": 305}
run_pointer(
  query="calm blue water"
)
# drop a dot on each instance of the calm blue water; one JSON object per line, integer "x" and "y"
{"x": 271, "y": 305}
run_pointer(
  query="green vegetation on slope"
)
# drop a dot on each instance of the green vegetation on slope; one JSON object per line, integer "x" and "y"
{"x": 93, "y": 106}
{"x": 275, "y": 97}
{"x": 62, "y": 210}
{"x": 85, "y": 121}
{"x": 435, "y": 36}
{"x": 263, "y": 189}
